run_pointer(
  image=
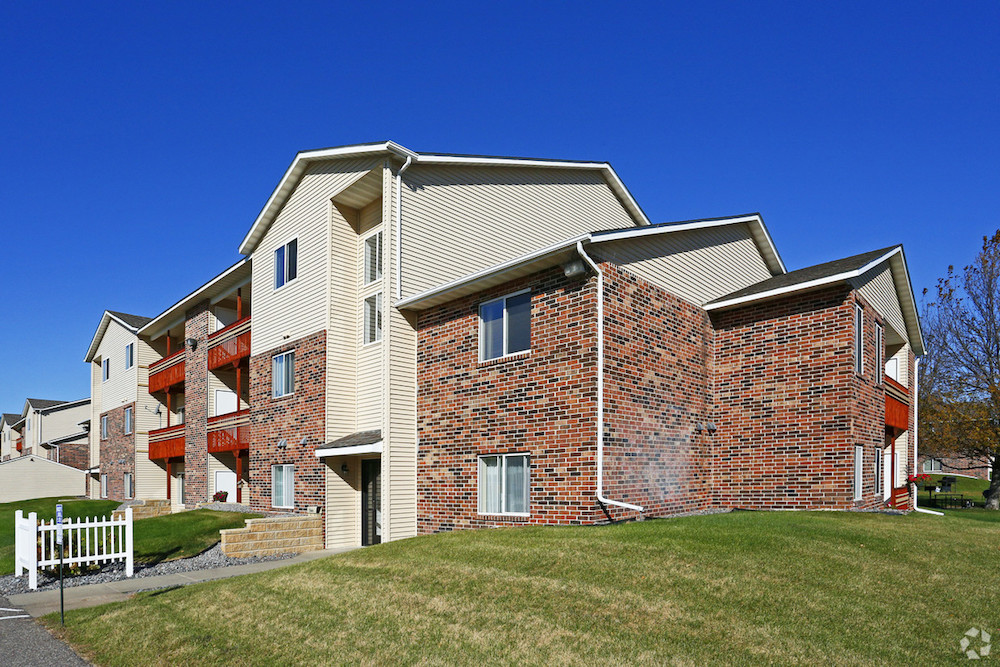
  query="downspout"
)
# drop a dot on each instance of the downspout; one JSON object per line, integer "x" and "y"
{"x": 600, "y": 384}
{"x": 399, "y": 225}
{"x": 916, "y": 431}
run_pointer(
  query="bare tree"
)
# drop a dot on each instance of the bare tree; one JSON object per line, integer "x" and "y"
{"x": 960, "y": 375}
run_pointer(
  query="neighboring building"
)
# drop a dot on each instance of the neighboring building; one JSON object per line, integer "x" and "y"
{"x": 955, "y": 465}
{"x": 57, "y": 433}
{"x": 122, "y": 411}
{"x": 44, "y": 450}
{"x": 9, "y": 436}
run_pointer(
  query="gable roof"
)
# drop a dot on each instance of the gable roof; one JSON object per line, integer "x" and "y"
{"x": 42, "y": 403}
{"x": 302, "y": 159}
{"x": 831, "y": 273}
{"x": 565, "y": 250}
{"x": 130, "y": 322}
{"x": 10, "y": 418}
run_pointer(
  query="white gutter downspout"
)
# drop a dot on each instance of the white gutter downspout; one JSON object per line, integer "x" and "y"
{"x": 600, "y": 384}
{"x": 916, "y": 431}
{"x": 399, "y": 225}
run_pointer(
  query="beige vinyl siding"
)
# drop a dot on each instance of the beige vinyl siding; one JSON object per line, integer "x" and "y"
{"x": 225, "y": 381}
{"x": 299, "y": 308}
{"x": 120, "y": 389}
{"x": 696, "y": 265}
{"x": 458, "y": 220}
{"x": 96, "y": 403}
{"x": 878, "y": 289}
{"x": 30, "y": 477}
{"x": 59, "y": 423}
{"x": 150, "y": 476}
{"x": 342, "y": 339}
{"x": 343, "y": 502}
{"x": 226, "y": 461}
{"x": 371, "y": 355}
{"x": 399, "y": 457}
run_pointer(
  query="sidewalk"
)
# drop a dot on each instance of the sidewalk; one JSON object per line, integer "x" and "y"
{"x": 79, "y": 597}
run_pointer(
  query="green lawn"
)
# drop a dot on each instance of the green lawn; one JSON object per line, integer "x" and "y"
{"x": 157, "y": 539}
{"x": 46, "y": 508}
{"x": 970, "y": 488}
{"x": 745, "y": 587}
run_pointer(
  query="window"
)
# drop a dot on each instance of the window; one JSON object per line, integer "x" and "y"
{"x": 286, "y": 263}
{"x": 932, "y": 465}
{"x": 892, "y": 368}
{"x": 283, "y": 486}
{"x": 128, "y": 420}
{"x": 859, "y": 453}
{"x": 129, "y": 356}
{"x": 105, "y": 370}
{"x": 503, "y": 484}
{"x": 505, "y": 326}
{"x": 879, "y": 351}
{"x": 104, "y": 485}
{"x": 373, "y": 258}
{"x": 104, "y": 427}
{"x": 859, "y": 340}
{"x": 373, "y": 318}
{"x": 129, "y": 489}
{"x": 283, "y": 375}
{"x": 878, "y": 470}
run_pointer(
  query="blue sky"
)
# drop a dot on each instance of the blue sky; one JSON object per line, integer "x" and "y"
{"x": 138, "y": 142}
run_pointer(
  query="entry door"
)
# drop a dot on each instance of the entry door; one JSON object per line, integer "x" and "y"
{"x": 225, "y": 480}
{"x": 371, "y": 502}
{"x": 225, "y": 402}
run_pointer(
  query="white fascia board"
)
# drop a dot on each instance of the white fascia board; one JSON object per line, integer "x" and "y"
{"x": 374, "y": 448}
{"x": 101, "y": 328}
{"x": 915, "y": 313}
{"x": 497, "y": 268}
{"x": 154, "y": 328}
{"x": 63, "y": 406}
{"x": 798, "y": 287}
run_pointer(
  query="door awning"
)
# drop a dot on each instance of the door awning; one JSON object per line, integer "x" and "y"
{"x": 362, "y": 442}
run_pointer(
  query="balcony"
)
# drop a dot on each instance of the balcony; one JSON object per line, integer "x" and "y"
{"x": 166, "y": 372}
{"x": 897, "y": 406}
{"x": 166, "y": 443}
{"x": 229, "y": 345}
{"x": 229, "y": 432}
{"x": 19, "y": 445}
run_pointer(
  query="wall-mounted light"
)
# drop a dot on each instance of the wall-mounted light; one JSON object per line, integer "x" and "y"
{"x": 304, "y": 440}
{"x": 192, "y": 343}
{"x": 343, "y": 468}
{"x": 282, "y": 443}
{"x": 574, "y": 268}
{"x": 711, "y": 427}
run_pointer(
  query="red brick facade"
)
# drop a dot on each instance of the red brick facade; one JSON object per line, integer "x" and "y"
{"x": 117, "y": 451}
{"x": 75, "y": 455}
{"x": 292, "y": 418}
{"x": 196, "y": 405}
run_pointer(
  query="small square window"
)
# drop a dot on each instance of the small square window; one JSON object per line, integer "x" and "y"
{"x": 129, "y": 356}
{"x": 504, "y": 484}
{"x": 128, "y": 420}
{"x": 373, "y": 318}
{"x": 505, "y": 326}
{"x": 373, "y": 258}
{"x": 283, "y": 374}
{"x": 286, "y": 263}
{"x": 283, "y": 486}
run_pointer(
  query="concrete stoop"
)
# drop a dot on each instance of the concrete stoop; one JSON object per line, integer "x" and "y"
{"x": 145, "y": 509}
{"x": 270, "y": 536}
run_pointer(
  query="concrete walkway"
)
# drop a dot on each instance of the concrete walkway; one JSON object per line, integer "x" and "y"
{"x": 79, "y": 597}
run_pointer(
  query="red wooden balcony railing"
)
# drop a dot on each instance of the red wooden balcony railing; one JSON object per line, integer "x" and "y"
{"x": 166, "y": 372}
{"x": 897, "y": 414}
{"x": 900, "y": 498}
{"x": 19, "y": 446}
{"x": 892, "y": 384}
{"x": 166, "y": 443}
{"x": 229, "y": 432}
{"x": 229, "y": 345}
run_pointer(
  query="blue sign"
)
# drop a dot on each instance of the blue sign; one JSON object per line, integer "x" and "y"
{"x": 59, "y": 524}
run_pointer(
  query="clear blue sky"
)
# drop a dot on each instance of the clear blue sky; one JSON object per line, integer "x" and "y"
{"x": 139, "y": 141}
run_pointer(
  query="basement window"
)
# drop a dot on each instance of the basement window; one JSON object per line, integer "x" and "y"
{"x": 503, "y": 484}
{"x": 505, "y": 326}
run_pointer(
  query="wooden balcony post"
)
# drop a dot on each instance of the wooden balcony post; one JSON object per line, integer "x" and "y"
{"x": 239, "y": 386}
{"x": 894, "y": 464}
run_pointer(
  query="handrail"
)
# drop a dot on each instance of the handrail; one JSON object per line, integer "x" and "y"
{"x": 164, "y": 360}
{"x": 229, "y": 416}
{"x": 896, "y": 385}
{"x": 225, "y": 330}
{"x": 166, "y": 429}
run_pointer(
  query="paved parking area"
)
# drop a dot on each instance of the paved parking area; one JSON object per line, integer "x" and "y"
{"x": 24, "y": 643}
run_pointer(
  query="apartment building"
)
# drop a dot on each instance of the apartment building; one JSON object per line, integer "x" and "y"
{"x": 121, "y": 410}
{"x": 47, "y": 428}
{"x": 9, "y": 435}
{"x": 443, "y": 341}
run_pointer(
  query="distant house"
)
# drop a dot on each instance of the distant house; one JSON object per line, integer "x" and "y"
{"x": 951, "y": 465}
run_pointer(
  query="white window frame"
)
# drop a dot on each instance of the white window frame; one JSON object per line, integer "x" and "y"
{"x": 289, "y": 487}
{"x": 105, "y": 370}
{"x": 284, "y": 268}
{"x": 878, "y": 466}
{"x": 129, "y": 420}
{"x": 879, "y": 353}
{"x": 482, "y": 329}
{"x": 129, "y": 489}
{"x": 930, "y": 462}
{"x": 104, "y": 485}
{"x": 379, "y": 320}
{"x": 859, "y": 339}
{"x": 503, "y": 482}
{"x": 274, "y": 375}
{"x": 859, "y": 457}
{"x": 104, "y": 427}
{"x": 379, "y": 259}
{"x": 129, "y": 356}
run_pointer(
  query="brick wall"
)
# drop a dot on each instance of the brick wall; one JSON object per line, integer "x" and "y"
{"x": 75, "y": 455}
{"x": 952, "y": 465}
{"x": 117, "y": 452}
{"x": 658, "y": 361}
{"x": 290, "y": 418}
{"x": 196, "y": 405}
{"x": 541, "y": 403}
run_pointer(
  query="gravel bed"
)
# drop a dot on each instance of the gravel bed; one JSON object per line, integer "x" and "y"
{"x": 229, "y": 507}
{"x": 212, "y": 558}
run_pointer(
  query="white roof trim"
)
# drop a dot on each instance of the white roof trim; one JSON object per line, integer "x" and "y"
{"x": 62, "y": 406}
{"x": 101, "y": 328}
{"x": 36, "y": 457}
{"x": 154, "y": 326}
{"x": 374, "y": 448}
{"x": 798, "y": 287}
{"x": 297, "y": 166}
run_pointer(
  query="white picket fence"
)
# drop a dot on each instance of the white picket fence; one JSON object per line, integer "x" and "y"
{"x": 87, "y": 541}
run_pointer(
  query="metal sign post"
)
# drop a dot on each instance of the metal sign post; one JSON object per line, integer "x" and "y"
{"x": 59, "y": 541}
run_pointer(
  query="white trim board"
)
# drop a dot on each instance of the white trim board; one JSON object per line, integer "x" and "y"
{"x": 374, "y": 448}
